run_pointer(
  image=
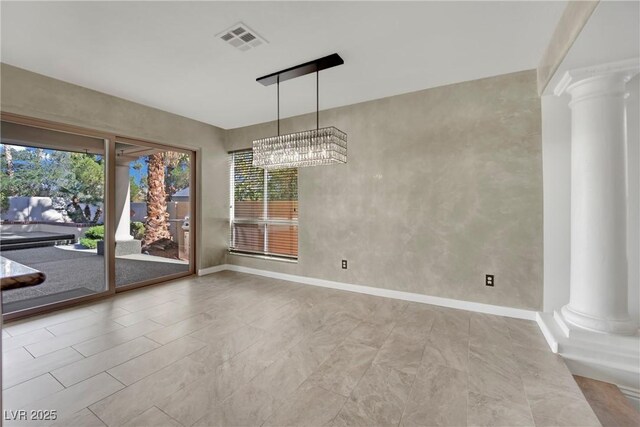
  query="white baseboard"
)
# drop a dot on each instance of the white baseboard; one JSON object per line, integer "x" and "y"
{"x": 609, "y": 358}
{"x": 547, "y": 333}
{"x": 211, "y": 270}
{"x": 517, "y": 313}
{"x": 632, "y": 395}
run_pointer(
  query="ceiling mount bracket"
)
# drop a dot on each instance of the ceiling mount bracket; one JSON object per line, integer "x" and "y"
{"x": 314, "y": 66}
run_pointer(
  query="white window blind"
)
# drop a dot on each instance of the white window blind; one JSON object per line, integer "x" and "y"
{"x": 263, "y": 208}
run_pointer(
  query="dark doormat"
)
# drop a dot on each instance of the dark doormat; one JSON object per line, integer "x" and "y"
{"x": 10, "y": 307}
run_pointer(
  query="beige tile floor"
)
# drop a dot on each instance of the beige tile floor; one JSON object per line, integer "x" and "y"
{"x": 236, "y": 349}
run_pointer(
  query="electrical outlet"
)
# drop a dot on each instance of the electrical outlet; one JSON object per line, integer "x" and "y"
{"x": 344, "y": 264}
{"x": 488, "y": 280}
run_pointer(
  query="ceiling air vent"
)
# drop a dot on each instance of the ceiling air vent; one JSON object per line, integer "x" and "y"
{"x": 241, "y": 37}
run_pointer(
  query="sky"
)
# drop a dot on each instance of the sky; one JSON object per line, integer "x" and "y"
{"x": 137, "y": 174}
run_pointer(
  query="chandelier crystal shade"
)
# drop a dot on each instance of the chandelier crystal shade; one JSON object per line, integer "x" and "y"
{"x": 316, "y": 147}
{"x": 320, "y": 146}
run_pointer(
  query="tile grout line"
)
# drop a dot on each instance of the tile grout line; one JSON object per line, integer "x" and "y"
{"x": 141, "y": 379}
{"x": 415, "y": 378}
{"x": 158, "y": 348}
{"x": 27, "y": 350}
{"x": 47, "y": 372}
{"x": 369, "y": 367}
{"x": 67, "y": 388}
{"x": 109, "y": 348}
{"x": 79, "y": 330}
{"x": 170, "y": 417}
{"x": 123, "y": 385}
{"x": 303, "y": 338}
{"x": 524, "y": 389}
{"x": 56, "y": 379}
{"x": 318, "y": 367}
{"x": 44, "y": 316}
{"x": 96, "y": 415}
{"x": 105, "y": 371}
{"x": 157, "y": 342}
{"x": 102, "y": 311}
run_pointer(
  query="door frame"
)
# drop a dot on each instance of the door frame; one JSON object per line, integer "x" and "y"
{"x": 109, "y": 212}
{"x": 192, "y": 212}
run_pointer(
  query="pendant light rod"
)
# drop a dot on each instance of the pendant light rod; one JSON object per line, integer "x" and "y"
{"x": 316, "y": 65}
{"x": 317, "y": 100}
{"x": 278, "y": 105}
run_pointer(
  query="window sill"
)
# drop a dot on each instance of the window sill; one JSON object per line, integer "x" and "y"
{"x": 265, "y": 257}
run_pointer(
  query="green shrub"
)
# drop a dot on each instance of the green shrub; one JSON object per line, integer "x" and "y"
{"x": 4, "y": 201}
{"x": 89, "y": 243}
{"x": 95, "y": 233}
{"x": 92, "y": 236}
{"x": 137, "y": 230}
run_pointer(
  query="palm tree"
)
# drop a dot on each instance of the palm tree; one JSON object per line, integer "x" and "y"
{"x": 8, "y": 155}
{"x": 172, "y": 160}
{"x": 157, "y": 216}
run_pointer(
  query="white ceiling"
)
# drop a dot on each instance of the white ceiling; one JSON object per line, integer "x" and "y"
{"x": 165, "y": 54}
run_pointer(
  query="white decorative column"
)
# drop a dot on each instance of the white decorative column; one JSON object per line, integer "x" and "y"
{"x": 125, "y": 243}
{"x": 598, "y": 290}
{"x": 123, "y": 202}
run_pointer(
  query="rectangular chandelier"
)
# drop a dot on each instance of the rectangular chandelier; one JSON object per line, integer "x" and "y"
{"x": 308, "y": 148}
{"x": 319, "y": 146}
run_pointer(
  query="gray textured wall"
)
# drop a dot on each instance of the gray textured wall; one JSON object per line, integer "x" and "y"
{"x": 42, "y": 97}
{"x": 441, "y": 187}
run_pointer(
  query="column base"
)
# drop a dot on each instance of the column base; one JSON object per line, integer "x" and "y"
{"x": 123, "y": 247}
{"x": 596, "y": 324}
{"x": 601, "y": 356}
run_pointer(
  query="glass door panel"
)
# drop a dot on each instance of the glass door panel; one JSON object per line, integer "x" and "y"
{"x": 52, "y": 187}
{"x": 153, "y": 206}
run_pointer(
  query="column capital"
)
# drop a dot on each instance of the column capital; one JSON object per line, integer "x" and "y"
{"x": 619, "y": 70}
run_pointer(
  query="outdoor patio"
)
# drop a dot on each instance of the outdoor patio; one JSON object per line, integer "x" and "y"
{"x": 73, "y": 273}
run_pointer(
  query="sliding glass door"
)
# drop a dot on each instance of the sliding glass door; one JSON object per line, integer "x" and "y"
{"x": 153, "y": 210}
{"x": 52, "y": 206}
{"x": 85, "y": 214}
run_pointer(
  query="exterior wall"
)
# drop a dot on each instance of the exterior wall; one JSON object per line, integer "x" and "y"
{"x": 37, "y": 209}
{"x": 442, "y": 186}
{"x": 42, "y": 97}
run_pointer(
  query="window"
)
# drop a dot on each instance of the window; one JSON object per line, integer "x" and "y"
{"x": 263, "y": 208}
